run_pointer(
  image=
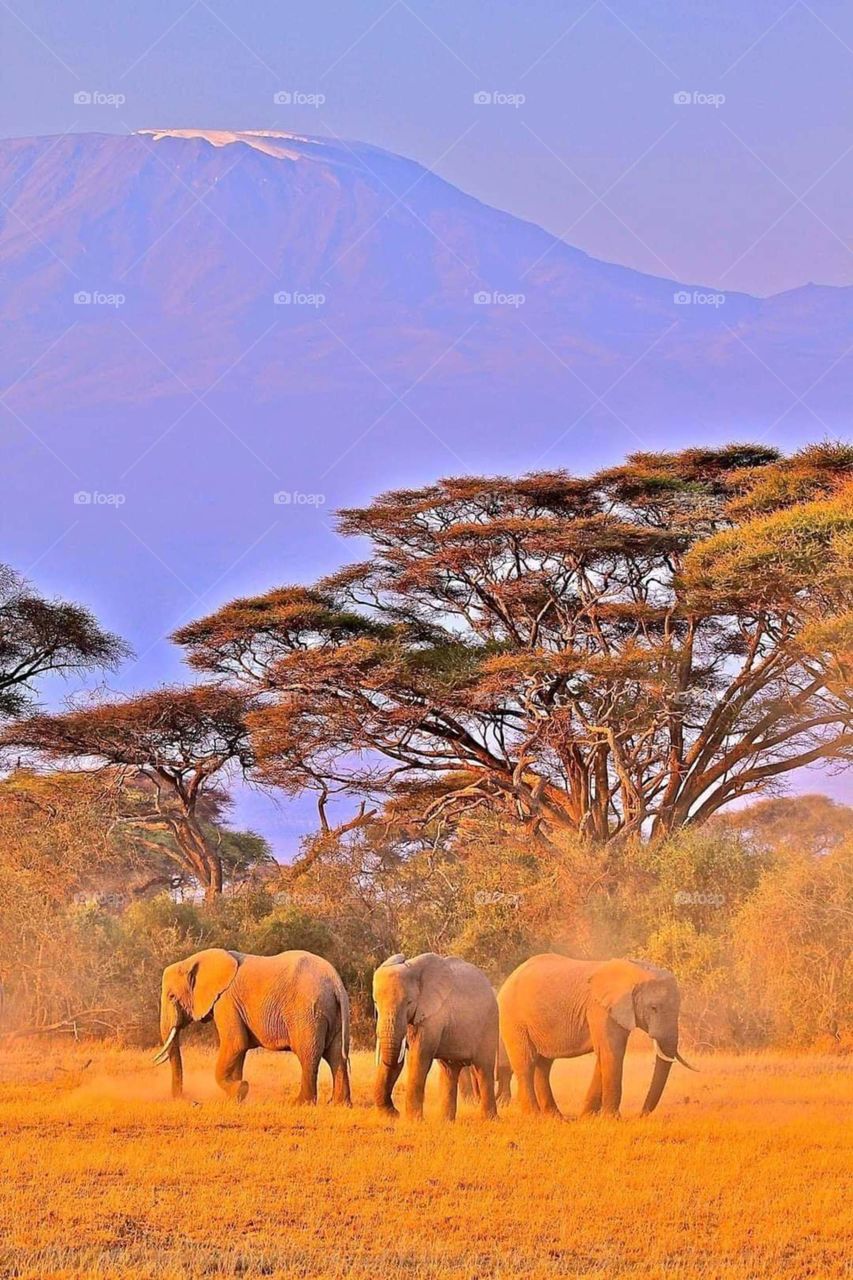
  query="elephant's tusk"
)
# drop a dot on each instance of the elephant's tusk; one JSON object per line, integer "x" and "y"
{"x": 402, "y": 1051}
{"x": 683, "y": 1063}
{"x": 377, "y": 1053}
{"x": 162, "y": 1054}
{"x": 664, "y": 1057}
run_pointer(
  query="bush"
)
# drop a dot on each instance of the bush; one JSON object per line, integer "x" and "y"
{"x": 793, "y": 939}
{"x": 99, "y": 972}
{"x": 759, "y": 934}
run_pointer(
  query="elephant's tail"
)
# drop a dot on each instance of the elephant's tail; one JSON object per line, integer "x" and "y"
{"x": 503, "y": 1074}
{"x": 343, "y": 1005}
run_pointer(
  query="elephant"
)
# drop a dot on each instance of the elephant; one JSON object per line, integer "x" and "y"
{"x": 470, "y": 1090}
{"x": 434, "y": 1007}
{"x": 294, "y": 1000}
{"x": 554, "y": 1007}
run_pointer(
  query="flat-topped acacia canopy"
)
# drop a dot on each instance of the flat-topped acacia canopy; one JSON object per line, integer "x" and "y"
{"x": 619, "y": 654}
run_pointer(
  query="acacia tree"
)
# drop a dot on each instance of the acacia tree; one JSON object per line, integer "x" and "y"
{"x": 39, "y": 636}
{"x": 168, "y": 746}
{"x": 613, "y": 655}
{"x": 812, "y": 825}
{"x": 87, "y": 833}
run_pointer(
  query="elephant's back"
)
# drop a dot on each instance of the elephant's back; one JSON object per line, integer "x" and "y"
{"x": 547, "y": 968}
{"x": 545, "y": 999}
{"x": 293, "y": 976}
{"x": 285, "y": 997}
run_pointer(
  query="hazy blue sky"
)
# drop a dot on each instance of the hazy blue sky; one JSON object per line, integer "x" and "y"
{"x": 753, "y": 192}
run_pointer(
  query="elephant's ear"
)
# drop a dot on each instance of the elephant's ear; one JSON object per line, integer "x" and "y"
{"x": 210, "y": 972}
{"x": 398, "y": 959}
{"x": 436, "y": 986}
{"x": 612, "y": 986}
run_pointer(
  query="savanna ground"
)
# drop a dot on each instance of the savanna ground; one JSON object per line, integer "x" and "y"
{"x": 744, "y": 1172}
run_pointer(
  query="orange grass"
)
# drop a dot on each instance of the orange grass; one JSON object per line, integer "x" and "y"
{"x": 744, "y": 1172}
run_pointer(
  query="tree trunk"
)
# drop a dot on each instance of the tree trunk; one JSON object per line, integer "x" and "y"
{"x": 214, "y": 885}
{"x": 205, "y": 862}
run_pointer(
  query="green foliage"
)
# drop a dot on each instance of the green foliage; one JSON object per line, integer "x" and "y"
{"x": 242, "y": 852}
{"x": 697, "y": 874}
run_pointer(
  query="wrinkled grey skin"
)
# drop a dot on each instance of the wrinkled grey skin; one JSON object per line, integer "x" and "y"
{"x": 554, "y": 1007}
{"x": 470, "y": 1090}
{"x": 434, "y": 1008}
{"x": 293, "y": 1001}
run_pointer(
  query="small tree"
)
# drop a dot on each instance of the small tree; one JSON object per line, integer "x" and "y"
{"x": 176, "y": 741}
{"x": 613, "y": 655}
{"x": 85, "y": 832}
{"x": 809, "y": 824}
{"x": 38, "y": 637}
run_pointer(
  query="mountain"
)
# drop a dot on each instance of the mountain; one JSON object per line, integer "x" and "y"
{"x": 176, "y": 437}
{"x": 386, "y": 276}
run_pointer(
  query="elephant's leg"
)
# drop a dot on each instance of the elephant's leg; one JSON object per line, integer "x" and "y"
{"x": 334, "y": 1055}
{"x": 592, "y": 1101}
{"x": 503, "y": 1074}
{"x": 611, "y": 1058}
{"x": 229, "y": 1072}
{"x": 234, "y": 1044}
{"x": 468, "y": 1087}
{"x": 527, "y": 1089}
{"x": 522, "y": 1057}
{"x": 542, "y": 1087}
{"x": 383, "y": 1089}
{"x": 417, "y": 1071}
{"x": 309, "y": 1061}
{"x": 449, "y": 1089}
{"x": 484, "y": 1075}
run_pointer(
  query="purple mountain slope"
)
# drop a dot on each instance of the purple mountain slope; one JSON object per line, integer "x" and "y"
{"x": 199, "y": 233}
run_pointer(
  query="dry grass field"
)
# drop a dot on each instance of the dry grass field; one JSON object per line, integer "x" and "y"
{"x": 744, "y": 1173}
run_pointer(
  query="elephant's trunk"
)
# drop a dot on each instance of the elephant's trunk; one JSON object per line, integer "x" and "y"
{"x": 665, "y": 1054}
{"x": 390, "y": 1052}
{"x": 663, "y": 1066}
{"x": 391, "y": 1039}
{"x": 170, "y": 1035}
